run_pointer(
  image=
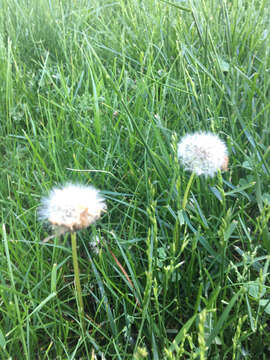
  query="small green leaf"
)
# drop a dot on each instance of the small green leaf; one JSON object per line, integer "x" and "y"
{"x": 239, "y": 189}
{"x": 229, "y": 231}
{"x": 266, "y": 199}
{"x": 216, "y": 192}
{"x": 181, "y": 217}
{"x": 224, "y": 66}
{"x": 2, "y": 340}
{"x": 266, "y": 305}
{"x": 255, "y": 289}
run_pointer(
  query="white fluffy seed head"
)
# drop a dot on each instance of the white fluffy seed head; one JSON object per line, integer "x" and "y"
{"x": 72, "y": 207}
{"x": 203, "y": 153}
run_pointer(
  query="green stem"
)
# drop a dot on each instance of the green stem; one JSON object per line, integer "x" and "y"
{"x": 185, "y": 199}
{"x": 77, "y": 279}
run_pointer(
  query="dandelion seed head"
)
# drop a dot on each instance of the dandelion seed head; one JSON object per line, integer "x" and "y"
{"x": 203, "y": 153}
{"x": 72, "y": 207}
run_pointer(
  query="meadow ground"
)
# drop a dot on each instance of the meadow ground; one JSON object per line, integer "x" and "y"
{"x": 100, "y": 92}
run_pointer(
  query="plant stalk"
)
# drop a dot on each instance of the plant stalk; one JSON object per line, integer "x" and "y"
{"x": 77, "y": 280}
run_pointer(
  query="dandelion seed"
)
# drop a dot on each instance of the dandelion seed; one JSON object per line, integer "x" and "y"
{"x": 95, "y": 244}
{"x": 72, "y": 207}
{"x": 203, "y": 153}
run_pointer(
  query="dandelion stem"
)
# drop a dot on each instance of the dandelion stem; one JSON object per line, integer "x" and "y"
{"x": 77, "y": 279}
{"x": 185, "y": 199}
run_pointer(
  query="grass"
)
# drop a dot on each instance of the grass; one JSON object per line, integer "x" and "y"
{"x": 100, "y": 92}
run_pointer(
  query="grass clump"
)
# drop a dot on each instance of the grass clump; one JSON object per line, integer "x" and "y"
{"x": 100, "y": 93}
